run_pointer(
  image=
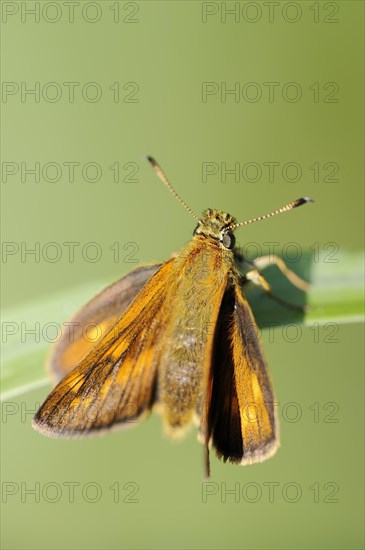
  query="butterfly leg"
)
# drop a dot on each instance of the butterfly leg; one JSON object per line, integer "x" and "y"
{"x": 256, "y": 278}
{"x": 265, "y": 261}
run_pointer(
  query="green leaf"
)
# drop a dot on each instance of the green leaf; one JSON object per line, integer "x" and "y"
{"x": 336, "y": 291}
{"x": 336, "y": 295}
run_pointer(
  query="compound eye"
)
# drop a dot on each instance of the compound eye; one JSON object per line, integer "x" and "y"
{"x": 228, "y": 240}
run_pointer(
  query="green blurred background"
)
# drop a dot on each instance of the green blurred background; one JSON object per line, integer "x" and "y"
{"x": 160, "y": 54}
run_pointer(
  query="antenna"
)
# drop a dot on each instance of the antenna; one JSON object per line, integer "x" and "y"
{"x": 161, "y": 174}
{"x": 286, "y": 208}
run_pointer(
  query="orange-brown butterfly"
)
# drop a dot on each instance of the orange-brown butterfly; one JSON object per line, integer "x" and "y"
{"x": 180, "y": 336}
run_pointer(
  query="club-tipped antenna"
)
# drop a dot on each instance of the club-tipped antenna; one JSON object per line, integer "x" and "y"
{"x": 286, "y": 208}
{"x": 161, "y": 174}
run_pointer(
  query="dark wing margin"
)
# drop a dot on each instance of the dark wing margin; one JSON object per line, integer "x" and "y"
{"x": 115, "y": 383}
{"x": 241, "y": 422}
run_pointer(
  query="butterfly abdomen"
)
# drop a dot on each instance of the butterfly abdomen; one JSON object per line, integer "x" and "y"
{"x": 187, "y": 349}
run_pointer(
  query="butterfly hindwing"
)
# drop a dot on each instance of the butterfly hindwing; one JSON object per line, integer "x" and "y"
{"x": 93, "y": 321}
{"x": 115, "y": 382}
{"x": 241, "y": 419}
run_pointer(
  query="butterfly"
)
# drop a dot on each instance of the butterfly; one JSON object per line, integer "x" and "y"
{"x": 179, "y": 337}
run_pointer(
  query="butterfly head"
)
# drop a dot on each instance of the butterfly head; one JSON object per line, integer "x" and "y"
{"x": 217, "y": 225}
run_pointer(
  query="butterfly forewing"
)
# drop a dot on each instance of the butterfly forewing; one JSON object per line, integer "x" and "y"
{"x": 94, "y": 320}
{"x": 115, "y": 382}
{"x": 241, "y": 418}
